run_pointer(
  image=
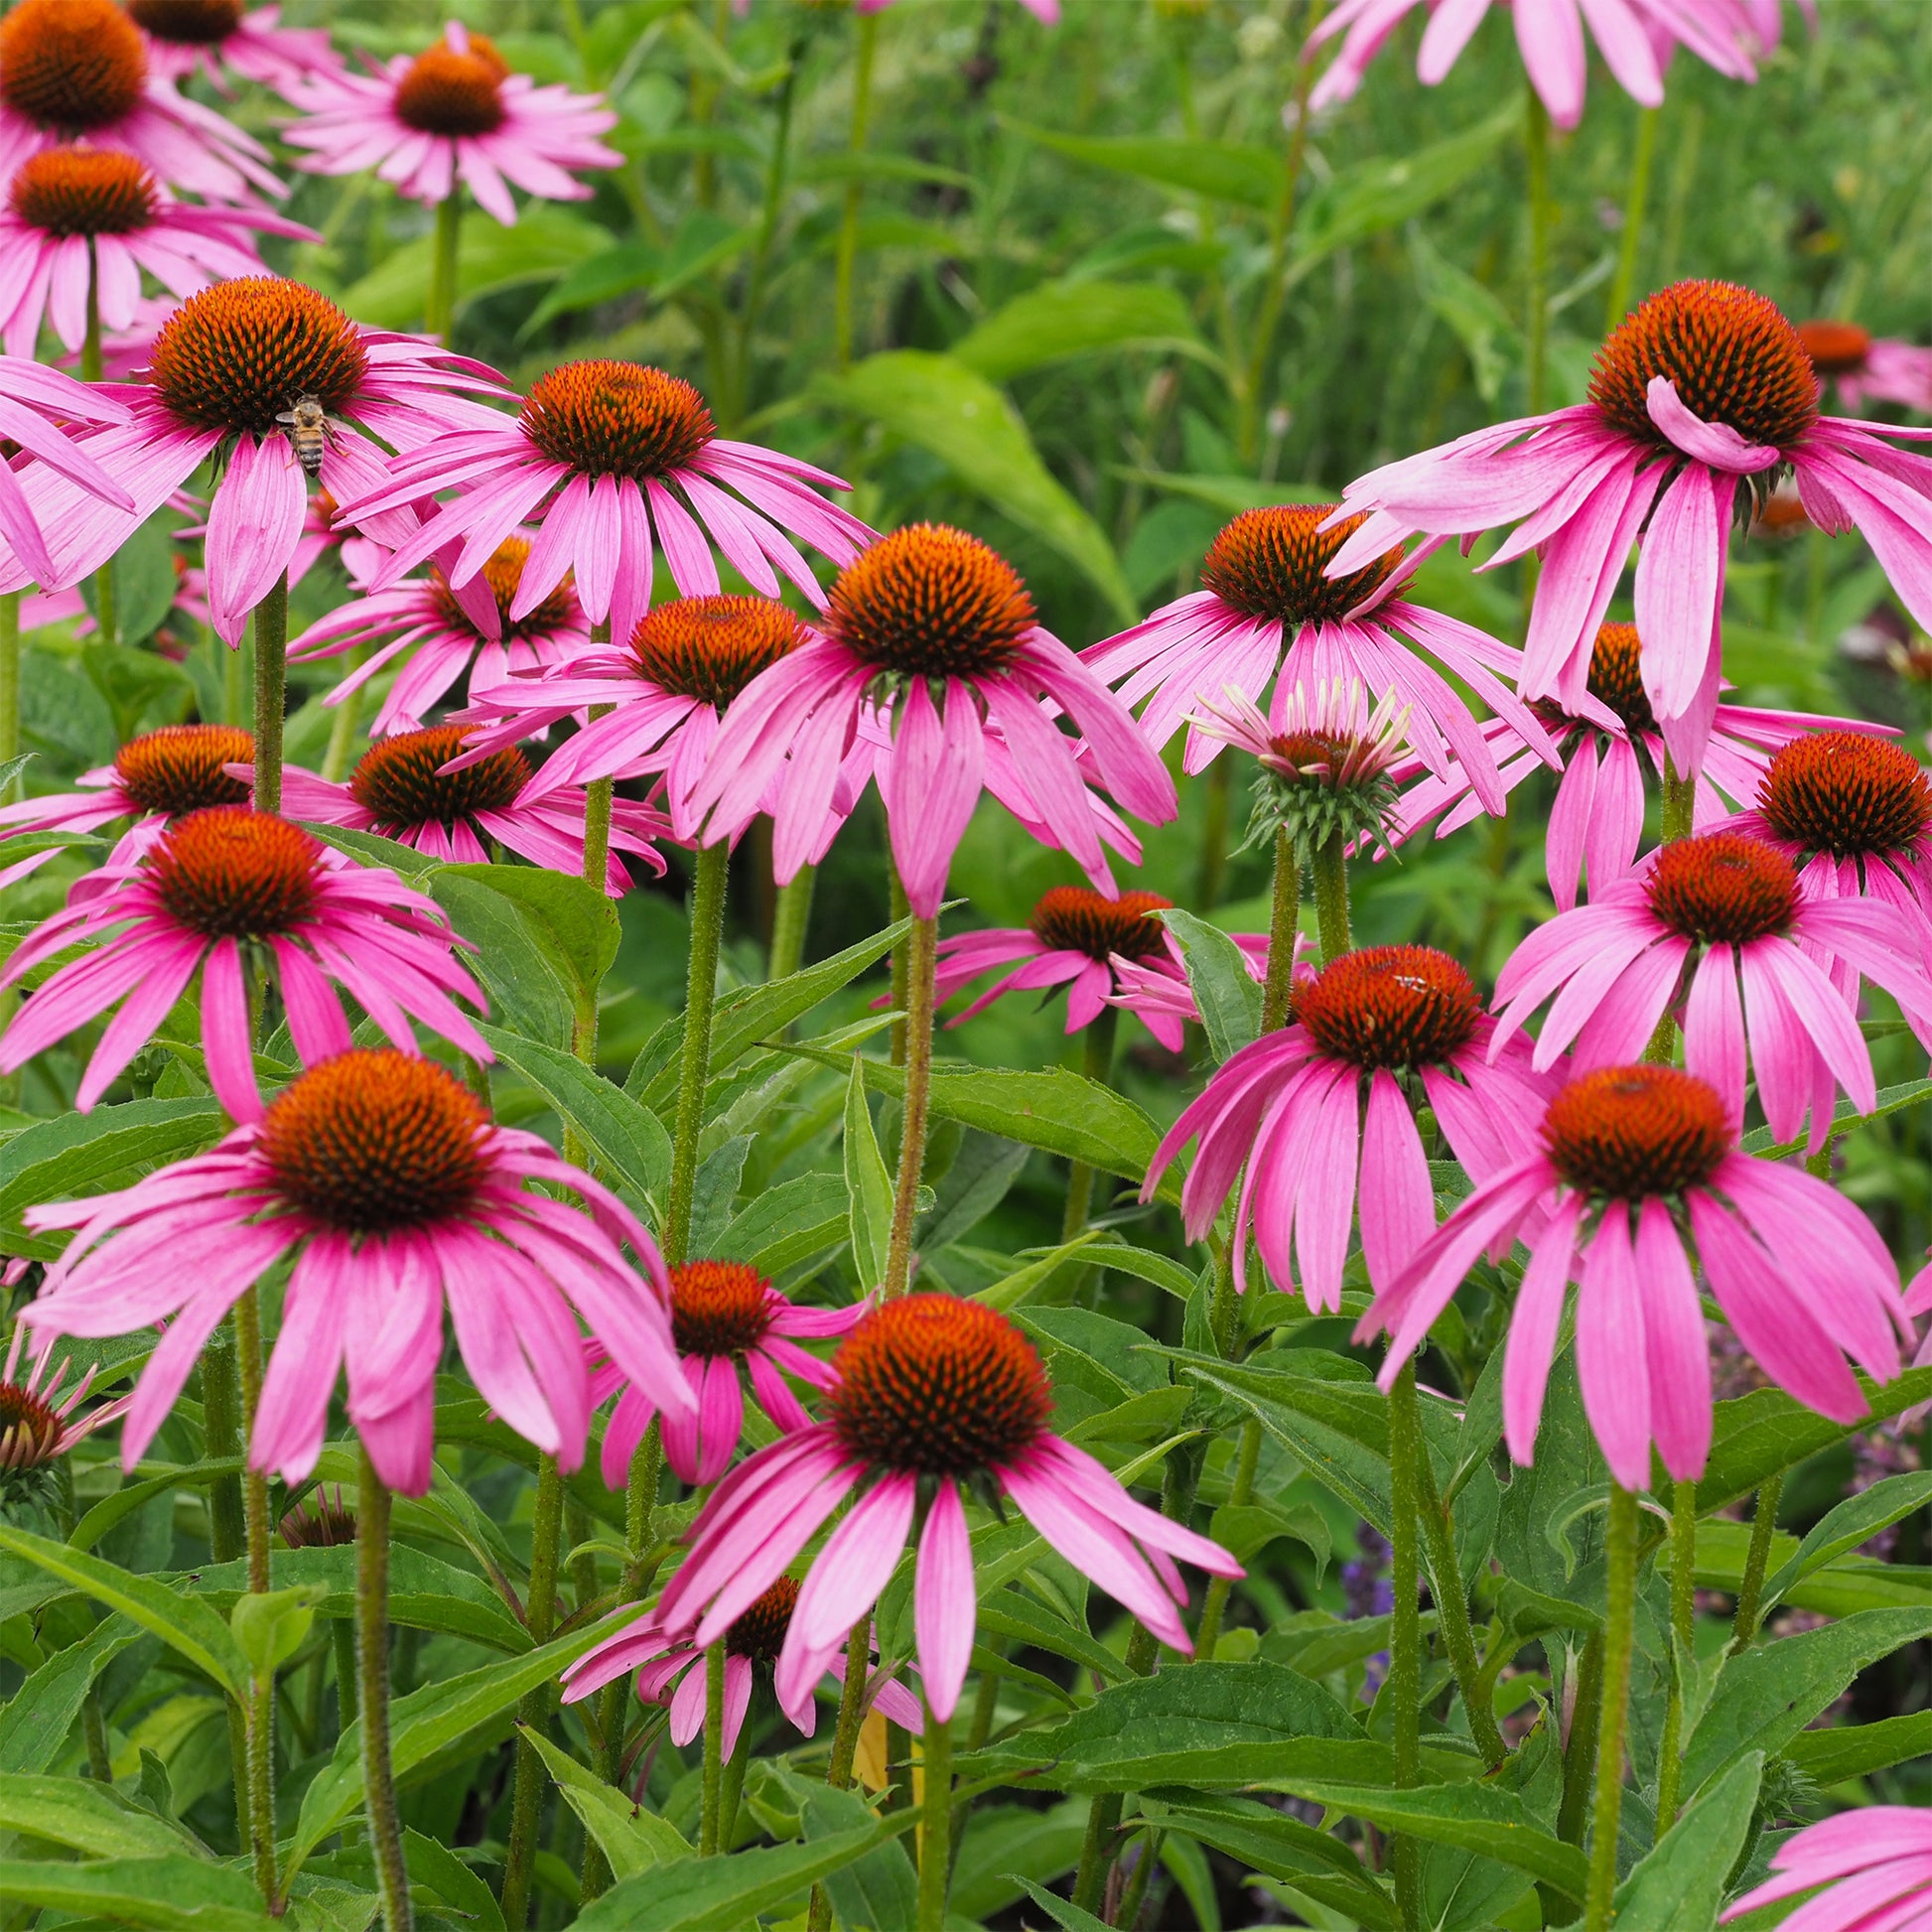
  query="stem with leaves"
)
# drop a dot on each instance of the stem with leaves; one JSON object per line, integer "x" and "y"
{"x": 921, "y": 959}
{"x": 1619, "y": 1631}
{"x": 1757, "y": 1558}
{"x": 1683, "y": 1606}
{"x": 694, "y": 1067}
{"x": 373, "y": 1671}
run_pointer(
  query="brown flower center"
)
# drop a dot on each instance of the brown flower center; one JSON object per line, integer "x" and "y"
{"x": 372, "y": 1142}
{"x": 930, "y": 601}
{"x": 1723, "y": 889}
{"x": 83, "y": 191}
{"x": 1076, "y": 919}
{"x": 712, "y": 647}
{"x": 1390, "y": 1007}
{"x": 233, "y": 873}
{"x": 1847, "y": 793}
{"x": 504, "y": 573}
{"x": 718, "y": 1308}
{"x": 1731, "y": 354}
{"x": 450, "y": 92}
{"x": 178, "y": 768}
{"x": 400, "y": 781}
{"x": 319, "y": 1522}
{"x": 1268, "y": 563}
{"x": 71, "y": 64}
{"x": 617, "y": 419}
{"x": 1633, "y": 1132}
{"x": 190, "y": 23}
{"x": 934, "y": 1385}
{"x": 237, "y": 355}
{"x": 1615, "y": 678}
{"x": 759, "y": 1634}
{"x": 1836, "y": 347}
{"x": 30, "y": 1431}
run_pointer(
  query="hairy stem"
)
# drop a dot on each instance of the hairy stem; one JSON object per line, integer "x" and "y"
{"x": 1750, "y": 1592}
{"x": 1682, "y": 1604}
{"x": 372, "y": 1669}
{"x": 791, "y": 923}
{"x": 714, "y": 1748}
{"x": 546, "y": 1538}
{"x": 936, "y": 1832}
{"x": 1330, "y": 871}
{"x": 1404, "y": 1633}
{"x": 1283, "y": 922}
{"x": 918, "y": 1077}
{"x": 1240, "y": 1495}
{"x": 271, "y": 692}
{"x": 9, "y": 685}
{"x": 261, "y": 1742}
{"x": 694, "y": 1067}
{"x": 1452, "y": 1608}
{"x": 845, "y": 1741}
{"x": 1098, "y": 1063}
{"x": 848, "y": 244}
{"x": 1620, "y": 1629}
{"x": 439, "y": 301}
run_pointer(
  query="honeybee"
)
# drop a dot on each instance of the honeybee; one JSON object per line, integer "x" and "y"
{"x": 308, "y": 427}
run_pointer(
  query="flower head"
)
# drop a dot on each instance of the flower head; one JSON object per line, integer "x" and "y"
{"x": 217, "y": 888}
{"x": 221, "y": 38}
{"x": 225, "y": 371}
{"x": 1703, "y": 384}
{"x": 1874, "y": 1864}
{"x": 663, "y": 1662}
{"x": 403, "y": 789}
{"x": 725, "y": 1317}
{"x": 1321, "y": 1116}
{"x": 1634, "y": 37}
{"x": 1268, "y": 610}
{"x": 41, "y": 1419}
{"x": 1632, "y": 1170}
{"x": 929, "y": 1392}
{"x": 79, "y": 70}
{"x": 1163, "y": 999}
{"x": 67, "y": 207}
{"x": 932, "y": 638}
{"x": 1719, "y": 925}
{"x": 453, "y": 113}
{"x": 1864, "y": 368}
{"x": 603, "y": 454}
{"x": 319, "y": 1522}
{"x": 385, "y": 1179}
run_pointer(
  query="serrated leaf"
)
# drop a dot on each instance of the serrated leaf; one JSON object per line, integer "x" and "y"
{"x": 1268, "y": 1841}
{"x": 372, "y": 849}
{"x": 36, "y": 1720}
{"x": 631, "y": 1839}
{"x": 786, "y": 1224}
{"x": 1857, "y": 1751}
{"x": 1761, "y": 1434}
{"x": 123, "y": 1502}
{"x": 1846, "y": 1115}
{"x": 1854, "y": 1521}
{"x": 1679, "y": 1884}
{"x": 577, "y": 921}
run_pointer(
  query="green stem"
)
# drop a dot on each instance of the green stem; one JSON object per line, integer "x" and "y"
{"x": 1536, "y": 333}
{"x": 1133, "y": 1895}
{"x": 1405, "y": 1632}
{"x": 1750, "y": 1592}
{"x": 790, "y": 922}
{"x": 733, "y": 1788}
{"x": 714, "y": 1748}
{"x": 261, "y": 1742}
{"x": 1283, "y": 922}
{"x": 936, "y": 1832}
{"x": 228, "y": 1532}
{"x": 439, "y": 303}
{"x": 1620, "y": 1629}
{"x": 343, "y": 1635}
{"x": 1098, "y": 1063}
{"x": 845, "y": 1741}
{"x": 1330, "y": 870}
{"x": 1580, "y": 1754}
{"x": 899, "y": 910}
{"x": 271, "y": 692}
{"x": 372, "y": 1669}
{"x": 848, "y": 247}
{"x": 546, "y": 1540}
{"x": 694, "y": 1070}
{"x": 106, "y": 619}
{"x": 639, "y": 1508}
{"x": 9, "y": 685}
{"x": 1682, "y": 1605}
{"x": 1240, "y": 1493}
{"x": 1680, "y": 802}
{"x": 598, "y": 796}
{"x": 347, "y": 724}
{"x": 918, "y": 1077}
{"x": 1636, "y": 200}
{"x": 1452, "y": 1610}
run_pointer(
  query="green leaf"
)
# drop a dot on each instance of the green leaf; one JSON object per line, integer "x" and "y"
{"x": 876, "y": 1893}
{"x": 788, "y": 1225}
{"x": 530, "y": 990}
{"x": 1766, "y": 1696}
{"x": 1220, "y": 171}
{"x": 1761, "y": 1434}
{"x": 1059, "y": 320}
{"x": 180, "y": 1620}
{"x": 704, "y": 241}
{"x": 867, "y": 1186}
{"x": 270, "y": 1625}
{"x": 372, "y": 849}
{"x": 577, "y": 921}
{"x": 1856, "y": 1520}
{"x": 84, "y": 1817}
{"x": 631, "y": 1839}
{"x": 1011, "y": 1291}
{"x": 1891, "y": 1100}
{"x": 124, "y": 1502}
{"x": 167, "y": 1895}
{"x": 1267, "y": 1840}
{"x": 952, "y": 412}
{"x": 1228, "y": 1000}
{"x": 434, "y": 1864}
{"x": 36, "y": 1720}
{"x": 1857, "y": 1751}
{"x": 1679, "y": 1884}
{"x": 1068, "y": 1916}
{"x": 722, "y": 1894}
{"x": 628, "y": 1141}
{"x": 546, "y": 242}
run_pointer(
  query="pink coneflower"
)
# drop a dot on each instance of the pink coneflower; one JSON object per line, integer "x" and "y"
{"x": 601, "y": 454}
{"x": 1611, "y": 749}
{"x": 665, "y": 691}
{"x": 437, "y": 629}
{"x": 1164, "y": 1000}
{"x": 455, "y": 112}
{"x": 1321, "y": 1115}
{"x": 1693, "y": 924}
{"x": 1704, "y": 384}
{"x": 1874, "y": 1864}
{"x": 217, "y": 37}
{"x": 212, "y": 883}
{"x": 1634, "y": 37}
{"x": 232, "y": 360}
{"x": 80, "y": 218}
{"x": 386, "y": 1178}
{"x": 35, "y": 407}
{"x": 1797, "y": 1270}
{"x": 725, "y": 1316}
{"x": 77, "y": 69}
{"x": 929, "y": 606}
{"x": 931, "y": 1392}
{"x": 1868, "y": 369}
{"x": 39, "y": 1419}
{"x": 663, "y": 1658}
{"x": 1266, "y": 610}
{"x": 401, "y": 789}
